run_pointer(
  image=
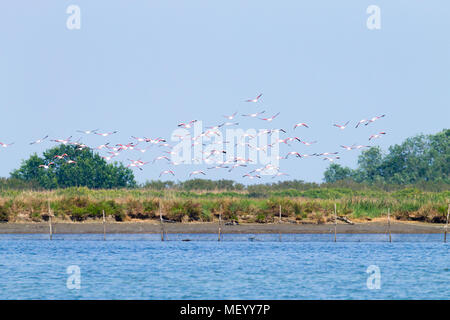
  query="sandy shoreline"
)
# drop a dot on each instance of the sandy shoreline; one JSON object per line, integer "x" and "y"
{"x": 146, "y": 227}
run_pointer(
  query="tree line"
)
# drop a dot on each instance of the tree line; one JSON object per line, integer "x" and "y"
{"x": 418, "y": 160}
{"x": 421, "y": 161}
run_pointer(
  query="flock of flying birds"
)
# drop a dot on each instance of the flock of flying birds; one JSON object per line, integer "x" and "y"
{"x": 143, "y": 144}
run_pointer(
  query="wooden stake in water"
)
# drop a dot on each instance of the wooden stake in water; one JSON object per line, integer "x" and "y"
{"x": 389, "y": 224}
{"x": 104, "y": 225}
{"x": 446, "y": 224}
{"x": 335, "y": 222}
{"x": 220, "y": 223}
{"x": 279, "y": 221}
{"x": 161, "y": 220}
{"x": 50, "y": 221}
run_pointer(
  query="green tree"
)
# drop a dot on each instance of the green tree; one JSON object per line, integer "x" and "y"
{"x": 369, "y": 165}
{"x": 419, "y": 159}
{"x": 422, "y": 158}
{"x": 336, "y": 172}
{"x": 90, "y": 170}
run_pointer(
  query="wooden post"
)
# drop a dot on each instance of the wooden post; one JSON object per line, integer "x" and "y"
{"x": 279, "y": 221}
{"x": 50, "y": 221}
{"x": 220, "y": 223}
{"x": 161, "y": 220}
{"x": 104, "y": 225}
{"x": 335, "y": 222}
{"x": 389, "y": 224}
{"x": 446, "y": 224}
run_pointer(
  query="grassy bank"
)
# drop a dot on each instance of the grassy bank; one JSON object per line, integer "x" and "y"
{"x": 313, "y": 205}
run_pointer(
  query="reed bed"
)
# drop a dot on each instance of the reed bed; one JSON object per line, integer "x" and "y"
{"x": 316, "y": 205}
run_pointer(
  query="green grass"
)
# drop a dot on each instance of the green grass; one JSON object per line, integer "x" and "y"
{"x": 317, "y": 204}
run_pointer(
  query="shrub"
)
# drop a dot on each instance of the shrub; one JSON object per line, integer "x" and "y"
{"x": 4, "y": 216}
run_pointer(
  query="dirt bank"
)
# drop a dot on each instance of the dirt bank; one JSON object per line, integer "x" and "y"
{"x": 151, "y": 227}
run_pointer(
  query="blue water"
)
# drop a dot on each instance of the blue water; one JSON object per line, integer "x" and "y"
{"x": 242, "y": 266}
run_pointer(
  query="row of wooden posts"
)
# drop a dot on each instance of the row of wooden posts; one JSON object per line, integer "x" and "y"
{"x": 164, "y": 235}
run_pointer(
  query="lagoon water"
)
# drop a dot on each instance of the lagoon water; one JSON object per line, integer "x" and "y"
{"x": 242, "y": 266}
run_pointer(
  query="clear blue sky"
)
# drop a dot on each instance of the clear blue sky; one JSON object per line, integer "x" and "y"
{"x": 141, "y": 67}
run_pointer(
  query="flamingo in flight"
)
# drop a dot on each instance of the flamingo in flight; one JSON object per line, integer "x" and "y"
{"x": 61, "y": 156}
{"x": 231, "y": 117}
{"x": 135, "y": 165}
{"x": 108, "y": 158}
{"x": 214, "y": 128}
{"x": 255, "y": 99}
{"x": 157, "y": 140}
{"x": 308, "y": 155}
{"x": 166, "y": 145}
{"x": 6, "y": 145}
{"x": 129, "y": 146}
{"x": 285, "y": 141}
{"x": 253, "y": 115}
{"x": 139, "y": 162}
{"x": 220, "y": 166}
{"x": 171, "y": 152}
{"x": 167, "y": 172}
{"x": 160, "y": 158}
{"x": 39, "y": 141}
{"x": 115, "y": 148}
{"x": 375, "y": 136}
{"x": 241, "y": 160}
{"x": 278, "y": 174}
{"x": 374, "y": 119}
{"x": 348, "y": 148}
{"x": 354, "y": 147}
{"x": 308, "y": 143}
{"x": 327, "y": 153}
{"x": 143, "y": 150}
{"x": 46, "y": 166}
{"x": 187, "y": 125}
{"x": 88, "y": 131}
{"x": 227, "y": 124}
{"x": 236, "y": 166}
{"x": 295, "y": 138}
{"x": 301, "y": 124}
{"x": 80, "y": 146}
{"x": 292, "y": 153}
{"x": 271, "y": 118}
{"x": 105, "y": 134}
{"x": 266, "y": 167}
{"x": 63, "y": 141}
{"x": 71, "y": 162}
{"x": 361, "y": 122}
{"x": 277, "y": 131}
{"x": 139, "y": 139}
{"x": 251, "y": 177}
{"x": 197, "y": 172}
{"x": 115, "y": 153}
{"x": 103, "y": 146}
{"x": 331, "y": 159}
{"x": 214, "y": 152}
{"x": 342, "y": 127}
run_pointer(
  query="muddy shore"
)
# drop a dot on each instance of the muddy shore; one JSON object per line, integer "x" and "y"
{"x": 151, "y": 227}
